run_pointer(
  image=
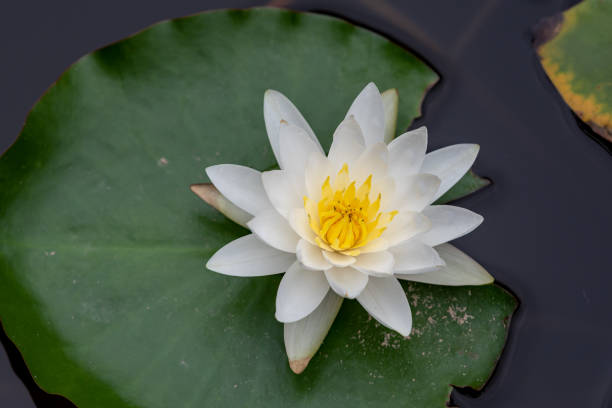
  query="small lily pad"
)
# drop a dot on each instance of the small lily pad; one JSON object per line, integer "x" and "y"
{"x": 103, "y": 247}
{"x": 576, "y": 52}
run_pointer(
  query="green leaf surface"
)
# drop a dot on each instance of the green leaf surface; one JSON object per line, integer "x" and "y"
{"x": 103, "y": 245}
{"x": 468, "y": 184}
{"x": 576, "y": 53}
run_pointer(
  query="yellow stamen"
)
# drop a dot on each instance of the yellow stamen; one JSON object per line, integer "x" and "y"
{"x": 344, "y": 219}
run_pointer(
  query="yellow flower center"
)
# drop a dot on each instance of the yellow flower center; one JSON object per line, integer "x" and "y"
{"x": 345, "y": 219}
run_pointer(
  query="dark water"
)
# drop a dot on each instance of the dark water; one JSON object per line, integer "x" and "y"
{"x": 548, "y": 217}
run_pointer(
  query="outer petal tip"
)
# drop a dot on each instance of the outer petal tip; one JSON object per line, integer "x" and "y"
{"x": 460, "y": 270}
{"x": 271, "y": 93}
{"x": 210, "y": 170}
{"x": 450, "y": 163}
{"x": 369, "y": 112}
{"x": 282, "y": 318}
{"x": 421, "y": 130}
{"x": 476, "y": 150}
{"x": 249, "y": 256}
{"x": 405, "y": 331}
{"x": 298, "y": 366}
{"x": 304, "y": 337}
{"x": 286, "y": 316}
{"x": 485, "y": 279}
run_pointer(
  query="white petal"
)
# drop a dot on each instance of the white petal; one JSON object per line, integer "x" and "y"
{"x": 274, "y": 230}
{"x": 301, "y": 290}
{"x": 346, "y": 282}
{"x": 298, "y": 220}
{"x": 372, "y": 161}
{"x": 209, "y": 193}
{"x": 416, "y": 192}
{"x": 450, "y": 164}
{"x": 404, "y": 226}
{"x": 447, "y": 223}
{"x": 385, "y": 300}
{"x": 460, "y": 270}
{"x": 390, "y": 99}
{"x": 317, "y": 170}
{"x": 406, "y": 153}
{"x": 379, "y": 244}
{"x": 295, "y": 150}
{"x": 281, "y": 191}
{"x": 375, "y": 263}
{"x": 413, "y": 255}
{"x": 368, "y": 110}
{"x": 304, "y": 337}
{"x": 311, "y": 256}
{"x": 347, "y": 144}
{"x": 386, "y": 188}
{"x": 249, "y": 256}
{"x": 338, "y": 259}
{"x": 241, "y": 185}
{"x": 277, "y": 108}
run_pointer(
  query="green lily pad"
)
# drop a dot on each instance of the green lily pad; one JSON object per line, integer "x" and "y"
{"x": 103, "y": 246}
{"x": 576, "y": 52}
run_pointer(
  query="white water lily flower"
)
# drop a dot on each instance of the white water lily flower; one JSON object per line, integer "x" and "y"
{"x": 352, "y": 222}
